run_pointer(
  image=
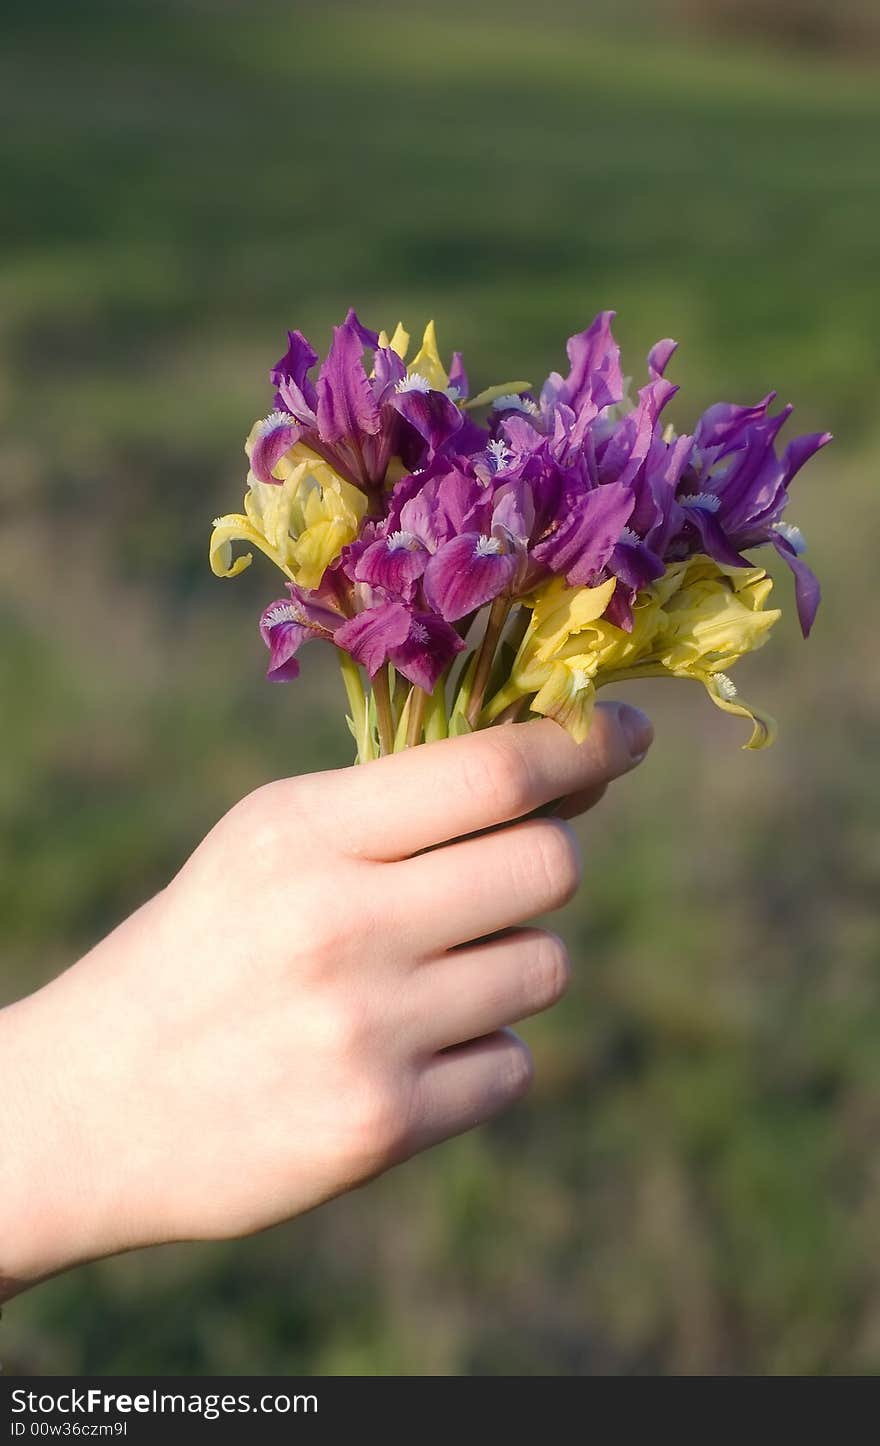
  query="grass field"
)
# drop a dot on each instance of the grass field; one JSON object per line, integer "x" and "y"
{"x": 694, "y": 1185}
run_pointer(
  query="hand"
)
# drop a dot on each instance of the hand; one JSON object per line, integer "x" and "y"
{"x": 311, "y": 1000}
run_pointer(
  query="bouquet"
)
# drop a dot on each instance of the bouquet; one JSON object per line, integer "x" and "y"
{"x": 476, "y": 559}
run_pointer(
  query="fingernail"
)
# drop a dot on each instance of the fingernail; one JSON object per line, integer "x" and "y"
{"x": 638, "y": 730}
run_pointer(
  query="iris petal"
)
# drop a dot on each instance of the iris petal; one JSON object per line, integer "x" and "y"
{"x": 466, "y": 573}
{"x": 763, "y": 726}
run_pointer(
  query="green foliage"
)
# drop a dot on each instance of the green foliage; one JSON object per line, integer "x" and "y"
{"x": 691, "y": 1187}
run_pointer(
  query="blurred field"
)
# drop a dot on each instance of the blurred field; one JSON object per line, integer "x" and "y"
{"x": 694, "y": 1186}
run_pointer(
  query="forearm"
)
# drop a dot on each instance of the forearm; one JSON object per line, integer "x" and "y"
{"x": 39, "y": 1186}
{"x": 61, "y": 1165}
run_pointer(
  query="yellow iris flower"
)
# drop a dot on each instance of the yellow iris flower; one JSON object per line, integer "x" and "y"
{"x": 695, "y": 622}
{"x": 713, "y": 617}
{"x": 301, "y": 524}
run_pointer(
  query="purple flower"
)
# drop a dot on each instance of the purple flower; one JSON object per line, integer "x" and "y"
{"x": 420, "y": 645}
{"x": 467, "y": 572}
{"x": 394, "y": 563}
{"x": 356, "y": 421}
{"x": 595, "y": 379}
{"x": 584, "y": 536}
{"x": 733, "y": 492}
{"x": 574, "y": 481}
{"x": 289, "y": 622}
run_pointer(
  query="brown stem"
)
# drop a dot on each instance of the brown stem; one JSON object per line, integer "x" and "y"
{"x": 512, "y": 712}
{"x": 494, "y": 628}
{"x": 417, "y": 704}
{"x": 384, "y": 715}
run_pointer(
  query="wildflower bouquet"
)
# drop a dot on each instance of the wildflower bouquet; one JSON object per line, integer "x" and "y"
{"x": 476, "y": 559}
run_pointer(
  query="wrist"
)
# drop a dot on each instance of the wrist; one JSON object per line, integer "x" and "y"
{"x": 63, "y": 1200}
{"x": 40, "y": 1233}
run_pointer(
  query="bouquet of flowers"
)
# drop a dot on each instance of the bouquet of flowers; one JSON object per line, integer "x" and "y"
{"x": 474, "y": 559}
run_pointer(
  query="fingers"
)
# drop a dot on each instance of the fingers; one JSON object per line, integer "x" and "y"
{"x": 480, "y": 885}
{"x": 476, "y": 990}
{"x": 411, "y": 801}
{"x": 464, "y": 1086}
{"x": 581, "y": 802}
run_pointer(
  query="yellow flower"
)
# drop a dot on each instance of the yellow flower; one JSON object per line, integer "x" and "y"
{"x": 557, "y": 659}
{"x": 301, "y": 524}
{"x": 695, "y": 622}
{"x": 399, "y": 341}
{"x": 426, "y": 362}
{"x": 714, "y": 616}
{"x": 568, "y": 694}
{"x": 560, "y": 613}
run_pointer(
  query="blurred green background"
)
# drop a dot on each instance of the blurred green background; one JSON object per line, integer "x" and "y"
{"x": 694, "y": 1184}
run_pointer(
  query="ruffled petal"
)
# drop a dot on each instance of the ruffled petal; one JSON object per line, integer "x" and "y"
{"x": 426, "y": 652}
{"x": 269, "y": 442}
{"x": 569, "y": 697}
{"x": 659, "y": 356}
{"x": 586, "y": 533}
{"x": 235, "y": 527}
{"x": 595, "y": 374}
{"x": 295, "y": 393}
{"x": 467, "y": 572}
{"x": 346, "y": 406}
{"x": 283, "y": 632}
{"x": 433, "y": 414}
{"x": 371, "y": 635}
{"x": 725, "y": 697}
{"x": 394, "y": 563}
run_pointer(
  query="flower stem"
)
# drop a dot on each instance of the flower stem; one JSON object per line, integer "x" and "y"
{"x": 418, "y": 702}
{"x": 357, "y": 702}
{"x": 384, "y": 715}
{"x": 436, "y": 719}
{"x": 494, "y": 628}
{"x": 513, "y": 711}
{"x": 503, "y": 699}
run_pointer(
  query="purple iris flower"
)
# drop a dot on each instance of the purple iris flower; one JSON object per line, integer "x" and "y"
{"x": 355, "y": 421}
{"x": 419, "y": 644}
{"x": 595, "y": 379}
{"x": 734, "y": 490}
{"x": 449, "y": 538}
{"x": 289, "y": 622}
{"x": 571, "y": 481}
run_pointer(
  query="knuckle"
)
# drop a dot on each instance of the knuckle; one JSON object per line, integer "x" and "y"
{"x": 608, "y": 747}
{"x": 258, "y": 818}
{"x": 551, "y": 969}
{"x": 502, "y": 772}
{"x": 557, "y": 857}
{"x": 518, "y": 1070}
{"x": 332, "y": 927}
{"x": 342, "y": 1030}
{"x": 378, "y": 1125}
{"x": 326, "y": 938}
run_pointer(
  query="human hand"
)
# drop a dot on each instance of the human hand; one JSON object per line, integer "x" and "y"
{"x": 311, "y": 1000}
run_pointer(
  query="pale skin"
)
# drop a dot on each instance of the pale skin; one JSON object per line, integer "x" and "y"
{"x": 325, "y": 988}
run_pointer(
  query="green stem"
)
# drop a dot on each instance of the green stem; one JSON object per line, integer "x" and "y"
{"x": 436, "y": 719}
{"x": 494, "y": 628}
{"x": 357, "y": 702}
{"x": 384, "y": 715}
{"x": 504, "y": 698}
